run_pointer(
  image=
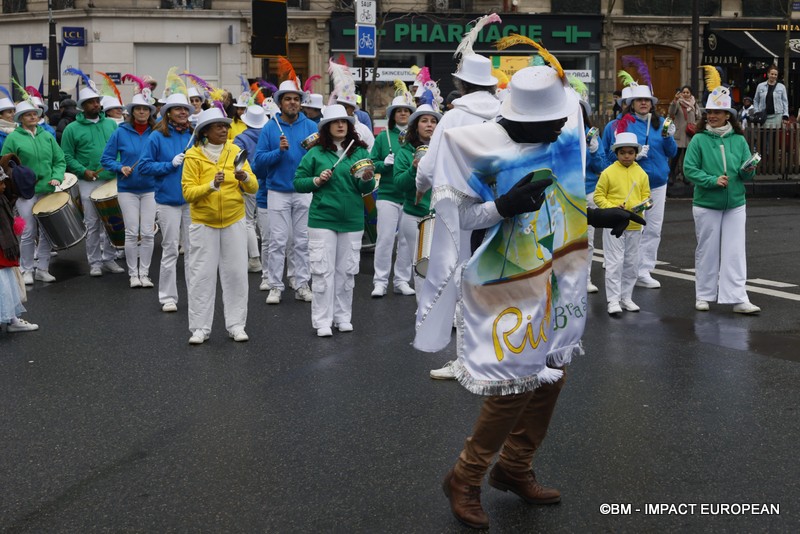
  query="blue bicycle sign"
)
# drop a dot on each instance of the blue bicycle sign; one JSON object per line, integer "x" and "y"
{"x": 365, "y": 41}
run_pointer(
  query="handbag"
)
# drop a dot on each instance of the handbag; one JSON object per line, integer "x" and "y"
{"x": 758, "y": 117}
{"x": 691, "y": 128}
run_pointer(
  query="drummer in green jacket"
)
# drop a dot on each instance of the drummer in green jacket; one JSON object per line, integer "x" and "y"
{"x": 336, "y": 216}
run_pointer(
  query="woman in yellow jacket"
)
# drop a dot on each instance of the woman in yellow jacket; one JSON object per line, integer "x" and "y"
{"x": 218, "y": 233}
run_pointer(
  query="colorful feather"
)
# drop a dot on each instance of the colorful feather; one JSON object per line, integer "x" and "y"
{"x": 400, "y": 87}
{"x": 23, "y": 93}
{"x": 109, "y": 87}
{"x": 135, "y": 79}
{"x": 537, "y": 61}
{"x": 515, "y": 39}
{"x": 502, "y": 78}
{"x": 245, "y": 84}
{"x": 309, "y": 85}
{"x": 341, "y": 60}
{"x": 202, "y": 86}
{"x": 6, "y": 93}
{"x": 626, "y": 79}
{"x": 428, "y": 98}
{"x": 579, "y": 86}
{"x": 641, "y": 68}
{"x": 286, "y": 71}
{"x": 264, "y": 84}
{"x": 33, "y": 91}
{"x": 423, "y": 76}
{"x": 174, "y": 84}
{"x": 623, "y": 123}
{"x": 712, "y": 77}
{"x": 217, "y": 98}
{"x": 469, "y": 39}
{"x": 86, "y": 80}
{"x": 343, "y": 83}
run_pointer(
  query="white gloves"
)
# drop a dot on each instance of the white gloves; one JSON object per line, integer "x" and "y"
{"x": 643, "y": 152}
{"x": 671, "y": 130}
{"x": 177, "y": 160}
{"x": 594, "y": 145}
{"x": 389, "y": 160}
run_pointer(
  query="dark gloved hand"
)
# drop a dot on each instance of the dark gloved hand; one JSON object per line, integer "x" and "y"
{"x": 615, "y": 218}
{"x": 524, "y": 197}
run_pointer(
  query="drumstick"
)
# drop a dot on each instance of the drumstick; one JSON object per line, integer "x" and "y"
{"x": 647, "y": 135}
{"x": 633, "y": 186}
{"x": 190, "y": 143}
{"x": 279, "y": 124}
{"x": 389, "y": 139}
{"x": 343, "y": 154}
{"x": 724, "y": 162}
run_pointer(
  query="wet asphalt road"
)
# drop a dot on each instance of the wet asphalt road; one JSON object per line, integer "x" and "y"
{"x": 112, "y": 422}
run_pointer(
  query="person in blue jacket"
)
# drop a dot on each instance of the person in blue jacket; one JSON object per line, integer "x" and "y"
{"x": 136, "y": 191}
{"x": 595, "y": 163}
{"x": 162, "y": 159}
{"x": 278, "y": 154}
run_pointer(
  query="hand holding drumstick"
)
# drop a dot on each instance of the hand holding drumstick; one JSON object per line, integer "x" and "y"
{"x": 219, "y": 178}
{"x": 323, "y": 177}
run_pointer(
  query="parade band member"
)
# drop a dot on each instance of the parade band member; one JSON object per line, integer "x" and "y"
{"x": 335, "y": 220}
{"x": 218, "y": 233}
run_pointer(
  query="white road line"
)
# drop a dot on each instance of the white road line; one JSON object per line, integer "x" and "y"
{"x": 771, "y": 283}
{"x": 751, "y": 289}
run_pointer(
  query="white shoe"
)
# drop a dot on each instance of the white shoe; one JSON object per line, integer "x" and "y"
{"x": 96, "y": 271}
{"x": 238, "y": 335}
{"x": 629, "y": 305}
{"x": 445, "y": 373}
{"x": 44, "y": 276}
{"x": 304, "y": 294}
{"x": 274, "y": 296}
{"x": 404, "y": 289}
{"x": 198, "y": 337}
{"x": 291, "y": 283}
{"x": 27, "y": 277}
{"x": 614, "y": 308}
{"x": 120, "y": 254}
{"x": 378, "y": 291}
{"x": 345, "y": 327}
{"x": 264, "y": 286}
{"x": 112, "y": 267}
{"x": 701, "y": 305}
{"x": 590, "y": 287}
{"x": 135, "y": 282}
{"x": 746, "y": 308}
{"x": 648, "y": 282}
{"x": 324, "y": 332}
{"x": 254, "y": 265}
{"x": 146, "y": 282}
{"x": 169, "y": 307}
{"x": 21, "y": 325}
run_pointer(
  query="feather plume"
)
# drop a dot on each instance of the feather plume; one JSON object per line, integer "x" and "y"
{"x": 332, "y": 98}
{"x": 712, "y": 77}
{"x": 86, "y": 80}
{"x": 623, "y": 123}
{"x": 423, "y": 76}
{"x": 245, "y": 84}
{"x": 641, "y": 68}
{"x": 626, "y": 79}
{"x": 6, "y": 93}
{"x": 502, "y": 78}
{"x": 264, "y": 84}
{"x": 110, "y": 87}
{"x": 428, "y": 98}
{"x": 23, "y": 93}
{"x": 174, "y": 83}
{"x": 217, "y": 98}
{"x": 579, "y": 86}
{"x": 309, "y": 85}
{"x": 414, "y": 70}
{"x": 286, "y": 71}
{"x": 400, "y": 87}
{"x": 33, "y": 91}
{"x": 342, "y": 79}
{"x": 515, "y": 39}
{"x": 537, "y": 61}
{"x": 135, "y": 79}
{"x": 202, "y": 86}
{"x": 465, "y": 46}
{"x": 341, "y": 60}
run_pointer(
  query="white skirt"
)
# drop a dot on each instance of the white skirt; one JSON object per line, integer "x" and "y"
{"x": 10, "y": 304}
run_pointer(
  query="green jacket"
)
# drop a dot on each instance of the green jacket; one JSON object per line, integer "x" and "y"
{"x": 405, "y": 178}
{"x": 83, "y": 143}
{"x": 387, "y": 190}
{"x": 703, "y": 165}
{"x": 40, "y": 153}
{"x": 337, "y": 204}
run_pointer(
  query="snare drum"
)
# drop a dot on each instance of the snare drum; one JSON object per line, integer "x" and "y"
{"x": 422, "y": 250}
{"x": 360, "y": 167}
{"x": 644, "y": 206}
{"x": 60, "y": 220}
{"x": 419, "y": 152}
{"x": 70, "y": 185}
{"x": 310, "y": 141}
{"x": 105, "y": 202}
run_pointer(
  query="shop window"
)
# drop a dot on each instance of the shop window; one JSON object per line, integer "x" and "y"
{"x": 451, "y": 5}
{"x": 577, "y": 6}
{"x": 345, "y": 5}
{"x": 63, "y": 4}
{"x": 185, "y": 4}
{"x": 15, "y": 6}
{"x": 671, "y": 8}
{"x": 303, "y": 5}
{"x": 200, "y": 59}
{"x": 765, "y": 8}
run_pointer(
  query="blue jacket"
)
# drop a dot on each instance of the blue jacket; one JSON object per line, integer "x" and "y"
{"x": 3, "y": 136}
{"x": 47, "y": 128}
{"x": 248, "y": 140}
{"x": 364, "y": 118}
{"x": 595, "y": 164}
{"x": 278, "y": 166}
{"x": 656, "y": 164}
{"x": 156, "y": 161}
{"x": 127, "y": 144}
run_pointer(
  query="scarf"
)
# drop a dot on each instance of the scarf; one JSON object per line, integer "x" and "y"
{"x": 8, "y": 240}
{"x": 179, "y": 129}
{"x": 687, "y": 104}
{"x": 213, "y": 152}
{"x": 721, "y": 131}
{"x": 7, "y": 127}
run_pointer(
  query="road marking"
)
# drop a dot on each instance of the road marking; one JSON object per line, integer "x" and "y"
{"x": 770, "y": 283}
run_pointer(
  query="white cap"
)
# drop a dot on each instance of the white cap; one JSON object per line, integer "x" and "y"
{"x": 255, "y": 117}
{"x": 624, "y": 139}
{"x": 109, "y": 102}
{"x": 24, "y": 107}
{"x": 538, "y": 94}
{"x": 85, "y": 94}
{"x": 286, "y": 86}
{"x": 720, "y": 98}
{"x": 6, "y": 103}
{"x": 424, "y": 109}
{"x": 176, "y": 100}
{"x": 139, "y": 100}
{"x": 476, "y": 69}
{"x": 641, "y": 91}
{"x": 314, "y": 100}
{"x": 334, "y": 112}
{"x": 210, "y": 116}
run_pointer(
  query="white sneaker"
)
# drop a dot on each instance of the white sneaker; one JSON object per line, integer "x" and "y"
{"x": 198, "y": 337}
{"x": 120, "y": 254}
{"x": 112, "y": 267}
{"x": 445, "y": 373}
{"x": 274, "y": 296}
{"x": 291, "y": 283}
{"x": 614, "y": 308}
{"x": 264, "y": 286}
{"x": 169, "y": 307}
{"x": 146, "y": 282}
{"x": 238, "y": 335}
{"x": 254, "y": 265}
{"x": 345, "y": 327}
{"x": 701, "y": 305}
{"x": 590, "y": 287}
{"x": 21, "y": 325}
{"x": 96, "y": 271}
{"x": 324, "y": 332}
{"x": 746, "y": 308}
{"x": 648, "y": 282}
{"x": 629, "y": 305}
{"x": 135, "y": 282}
{"x": 404, "y": 289}
{"x": 27, "y": 277}
{"x": 304, "y": 294}
{"x": 44, "y": 276}
{"x": 378, "y": 291}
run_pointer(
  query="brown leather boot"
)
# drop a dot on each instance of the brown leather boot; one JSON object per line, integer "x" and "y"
{"x": 524, "y": 485}
{"x": 465, "y": 502}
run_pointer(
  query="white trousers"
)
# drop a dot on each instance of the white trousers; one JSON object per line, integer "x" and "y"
{"x": 409, "y": 227}
{"x": 223, "y": 249}
{"x": 590, "y": 234}
{"x": 288, "y": 216}
{"x": 27, "y": 243}
{"x": 389, "y": 214}
{"x": 251, "y": 220}
{"x": 263, "y": 228}
{"x": 139, "y": 214}
{"x": 334, "y": 261}
{"x": 622, "y": 259}
{"x": 719, "y": 260}
{"x": 651, "y": 236}
{"x": 98, "y": 246}
{"x": 172, "y": 220}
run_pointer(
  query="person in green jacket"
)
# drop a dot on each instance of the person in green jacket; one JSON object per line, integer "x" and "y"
{"x": 335, "y": 218}
{"x": 421, "y": 126}
{"x": 717, "y": 163}
{"x": 83, "y": 142}
{"x": 37, "y": 150}
{"x": 390, "y": 203}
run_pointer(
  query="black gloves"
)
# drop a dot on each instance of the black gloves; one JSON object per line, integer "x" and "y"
{"x": 524, "y": 197}
{"x": 615, "y": 218}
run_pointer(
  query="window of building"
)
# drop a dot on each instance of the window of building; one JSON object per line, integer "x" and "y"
{"x": 156, "y": 60}
{"x": 577, "y": 6}
{"x": 15, "y": 6}
{"x": 764, "y": 8}
{"x": 671, "y": 8}
{"x": 185, "y": 4}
